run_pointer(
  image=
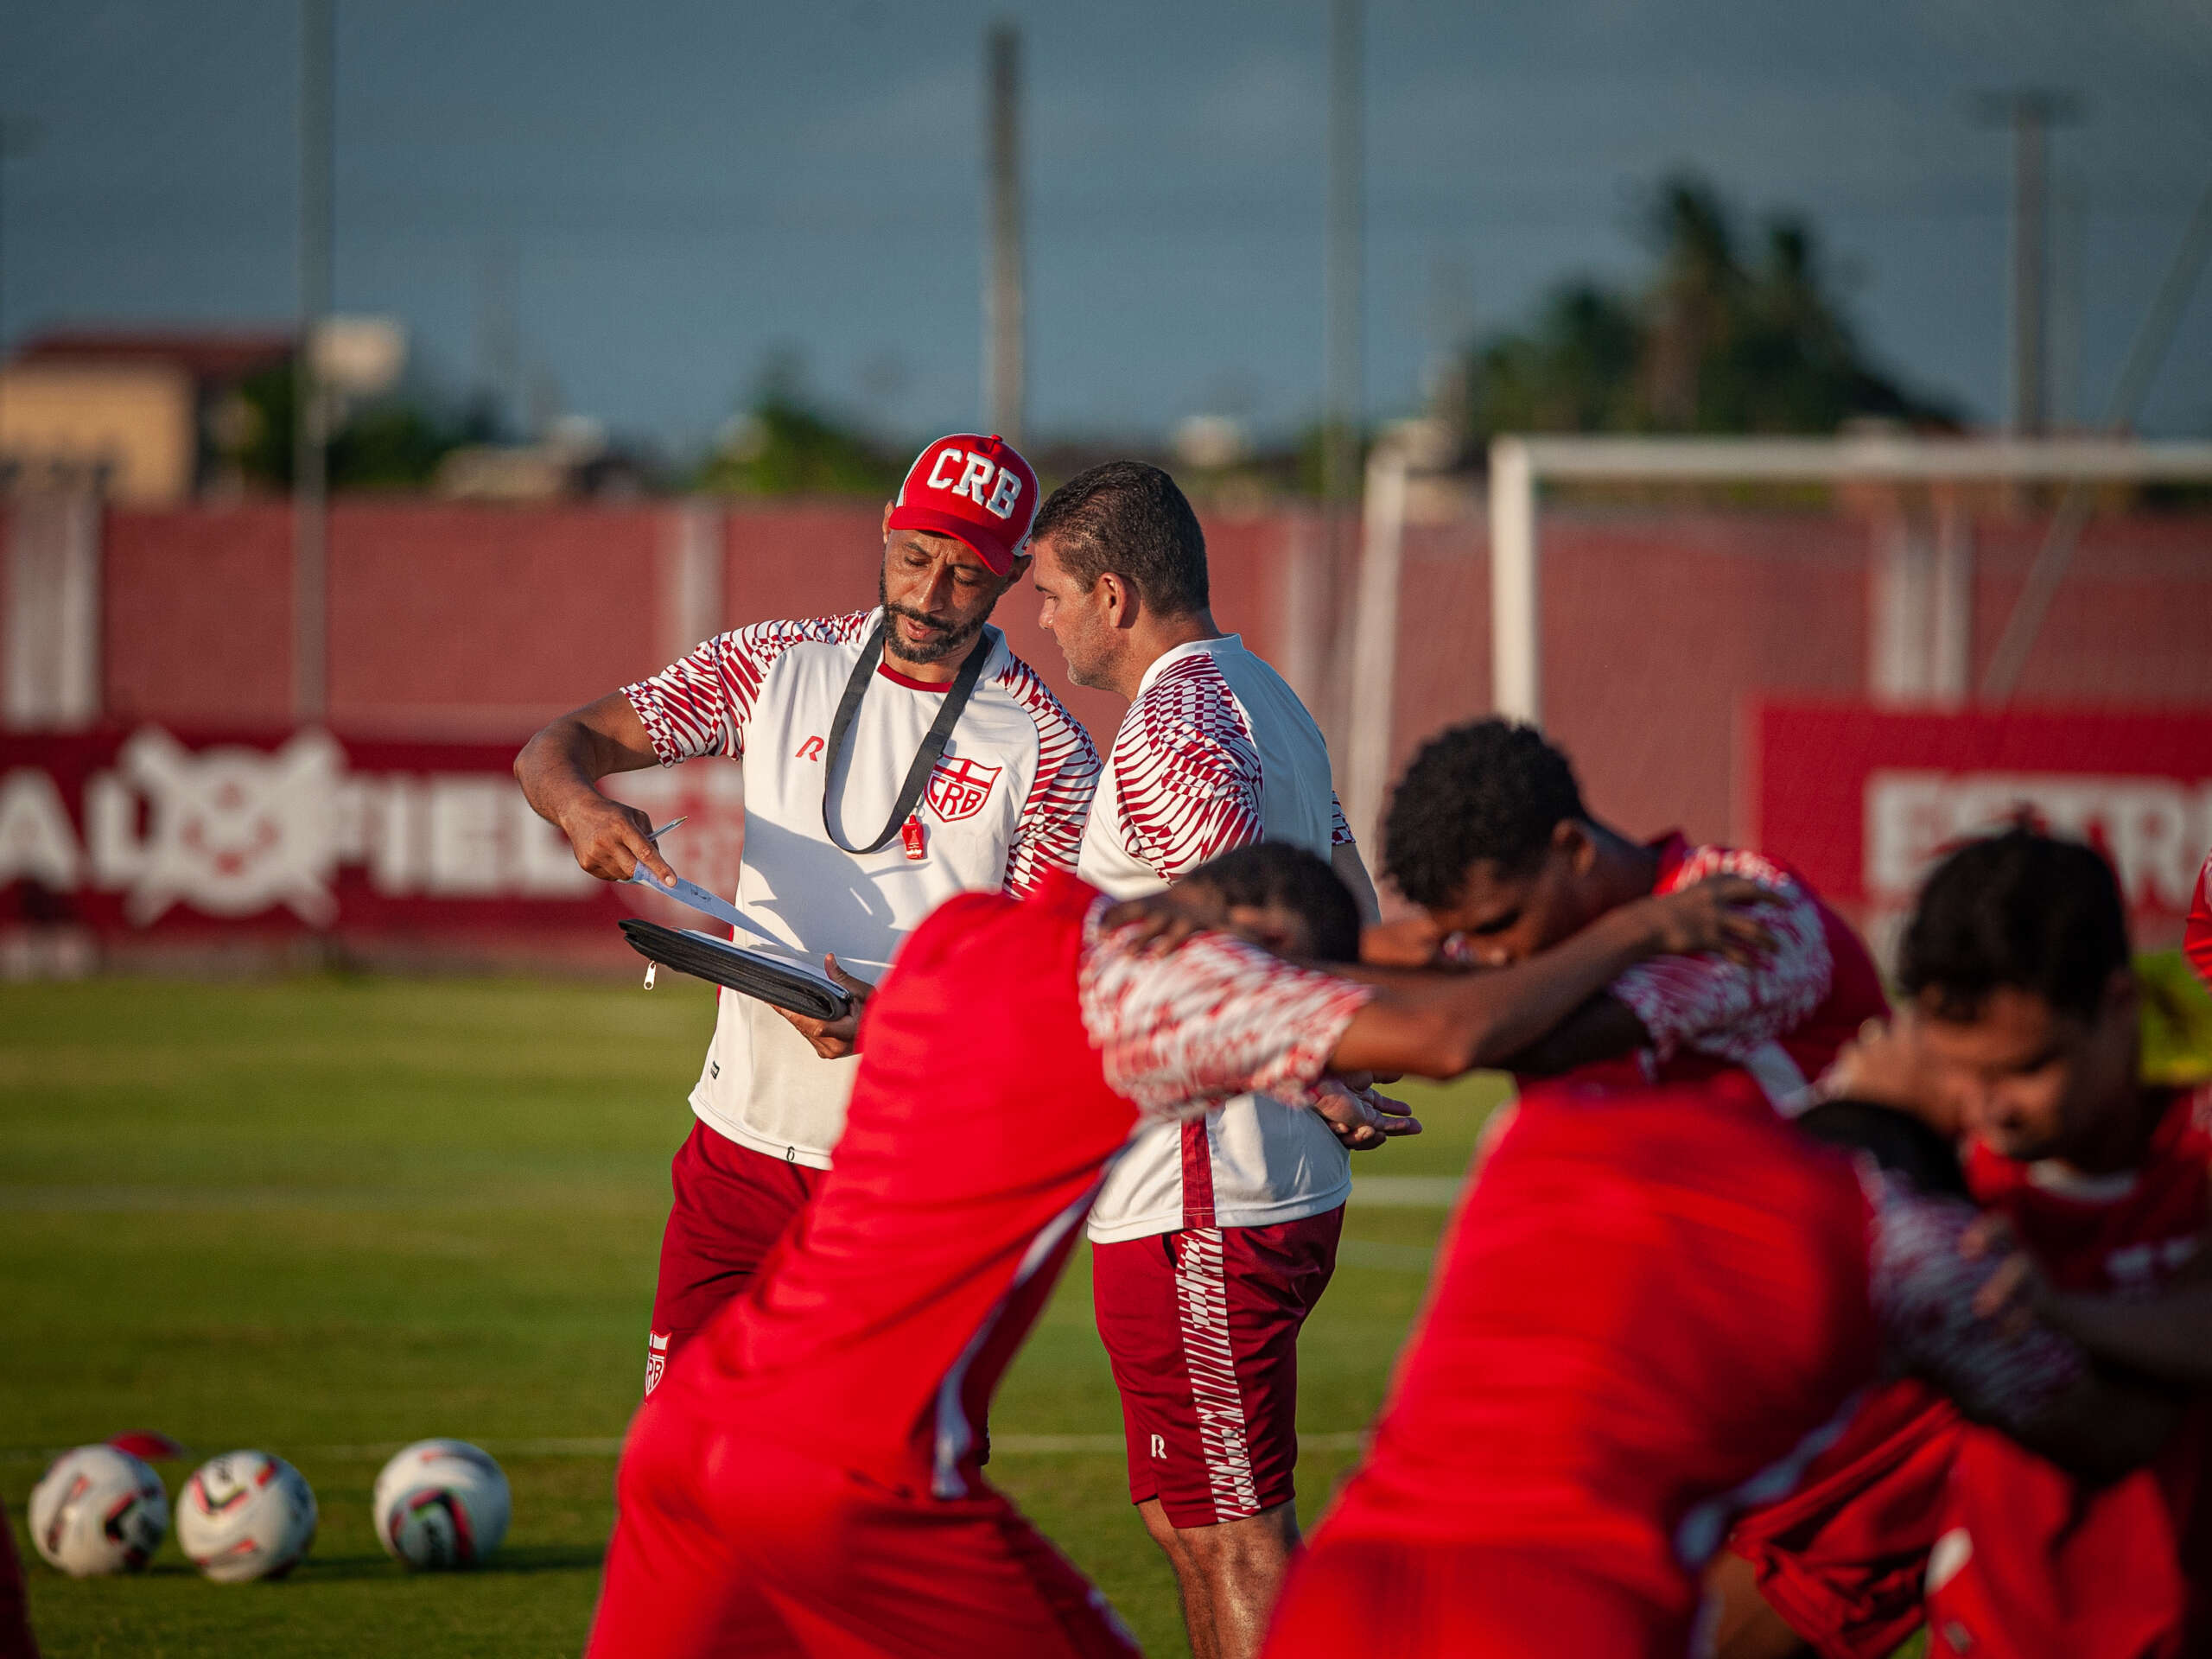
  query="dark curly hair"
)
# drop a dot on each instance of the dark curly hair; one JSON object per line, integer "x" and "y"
{"x": 1274, "y": 872}
{"x": 1490, "y": 790}
{"x": 1130, "y": 519}
{"x": 2023, "y": 910}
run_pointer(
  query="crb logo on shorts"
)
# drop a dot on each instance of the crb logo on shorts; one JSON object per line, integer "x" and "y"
{"x": 656, "y": 1359}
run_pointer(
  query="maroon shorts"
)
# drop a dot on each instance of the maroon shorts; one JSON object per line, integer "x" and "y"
{"x": 727, "y": 1541}
{"x": 732, "y": 1203}
{"x": 1402, "y": 1600}
{"x": 1202, "y": 1326}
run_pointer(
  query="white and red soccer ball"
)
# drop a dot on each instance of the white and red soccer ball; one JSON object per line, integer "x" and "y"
{"x": 441, "y": 1504}
{"x": 245, "y": 1516}
{"x": 98, "y": 1510}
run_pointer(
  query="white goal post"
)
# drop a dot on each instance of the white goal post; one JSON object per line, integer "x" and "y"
{"x": 1519, "y": 465}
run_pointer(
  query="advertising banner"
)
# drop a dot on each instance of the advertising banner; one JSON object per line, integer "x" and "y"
{"x": 1864, "y": 800}
{"x": 155, "y": 835}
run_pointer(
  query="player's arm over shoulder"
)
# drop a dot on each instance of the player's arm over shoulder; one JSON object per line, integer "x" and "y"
{"x": 1729, "y": 1008}
{"x": 2036, "y": 1385}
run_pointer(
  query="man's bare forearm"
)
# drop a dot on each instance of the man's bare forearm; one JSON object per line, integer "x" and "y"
{"x": 559, "y": 770}
{"x": 1439, "y": 1025}
{"x": 565, "y": 760}
{"x": 2168, "y": 1336}
{"x": 1603, "y": 1028}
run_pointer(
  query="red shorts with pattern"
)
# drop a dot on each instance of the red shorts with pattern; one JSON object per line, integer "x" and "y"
{"x": 727, "y": 1541}
{"x": 1202, "y": 1327}
{"x": 1403, "y": 1600}
{"x": 732, "y": 1203}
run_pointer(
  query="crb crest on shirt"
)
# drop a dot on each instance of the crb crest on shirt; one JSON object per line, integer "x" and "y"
{"x": 958, "y": 787}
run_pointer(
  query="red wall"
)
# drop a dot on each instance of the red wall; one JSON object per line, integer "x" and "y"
{"x": 1658, "y": 626}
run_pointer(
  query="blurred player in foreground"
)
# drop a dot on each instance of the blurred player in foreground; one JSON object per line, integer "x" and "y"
{"x": 2197, "y": 939}
{"x": 892, "y": 758}
{"x": 2024, "y": 1023}
{"x": 809, "y": 1481}
{"x": 1655, "y": 1306}
{"x": 1212, "y": 1239}
{"x": 1487, "y": 833}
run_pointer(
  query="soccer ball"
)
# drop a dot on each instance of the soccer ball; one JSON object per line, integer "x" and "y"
{"x": 245, "y": 1516}
{"x": 98, "y": 1510}
{"x": 441, "y": 1504}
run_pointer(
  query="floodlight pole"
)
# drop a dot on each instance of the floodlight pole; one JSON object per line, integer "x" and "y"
{"x": 310, "y": 439}
{"x": 1342, "y": 273}
{"x": 1003, "y": 369}
{"x": 2030, "y": 113}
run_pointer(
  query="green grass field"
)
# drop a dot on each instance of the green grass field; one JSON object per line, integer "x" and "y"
{"x": 324, "y": 1217}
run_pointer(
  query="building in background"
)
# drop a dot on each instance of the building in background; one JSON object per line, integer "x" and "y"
{"x": 150, "y": 416}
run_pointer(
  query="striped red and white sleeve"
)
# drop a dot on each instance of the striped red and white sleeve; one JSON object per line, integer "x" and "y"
{"x": 1048, "y": 835}
{"x": 1340, "y": 831}
{"x": 1726, "y": 1008}
{"x": 1216, "y": 1019}
{"x": 1186, "y": 771}
{"x": 700, "y": 703}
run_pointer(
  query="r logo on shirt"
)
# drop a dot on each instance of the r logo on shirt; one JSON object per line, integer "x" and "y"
{"x": 810, "y": 750}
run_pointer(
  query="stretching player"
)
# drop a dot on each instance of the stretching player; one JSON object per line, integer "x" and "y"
{"x": 1656, "y": 1304}
{"x": 2024, "y": 1021}
{"x": 1487, "y": 832}
{"x": 862, "y": 815}
{"x": 809, "y": 1481}
{"x": 1213, "y": 1238}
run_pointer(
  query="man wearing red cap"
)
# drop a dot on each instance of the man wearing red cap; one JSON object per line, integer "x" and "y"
{"x": 836, "y": 720}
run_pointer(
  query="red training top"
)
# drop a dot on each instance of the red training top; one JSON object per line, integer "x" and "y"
{"x": 1003, "y": 1063}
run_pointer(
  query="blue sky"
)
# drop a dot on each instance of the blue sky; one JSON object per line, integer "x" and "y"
{"x": 678, "y": 190}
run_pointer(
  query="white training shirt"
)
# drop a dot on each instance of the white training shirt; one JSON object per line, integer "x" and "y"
{"x": 1005, "y": 804}
{"x": 1215, "y": 750}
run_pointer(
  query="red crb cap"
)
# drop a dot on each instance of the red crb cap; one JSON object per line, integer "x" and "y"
{"x": 978, "y": 490}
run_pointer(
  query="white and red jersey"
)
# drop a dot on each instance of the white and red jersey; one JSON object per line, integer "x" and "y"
{"x": 1004, "y": 1062}
{"x": 1783, "y": 1018}
{"x": 1005, "y": 806}
{"x": 1216, "y": 752}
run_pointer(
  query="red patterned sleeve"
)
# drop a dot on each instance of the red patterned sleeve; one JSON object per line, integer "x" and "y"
{"x": 1186, "y": 770}
{"x": 1217, "y": 1018}
{"x": 1049, "y": 834}
{"x": 1924, "y": 1285}
{"x": 1726, "y": 1008}
{"x": 700, "y": 704}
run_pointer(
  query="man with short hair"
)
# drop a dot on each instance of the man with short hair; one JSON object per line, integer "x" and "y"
{"x": 1487, "y": 833}
{"x": 892, "y": 758}
{"x": 1213, "y": 1238}
{"x": 810, "y": 1481}
{"x": 2023, "y": 1022}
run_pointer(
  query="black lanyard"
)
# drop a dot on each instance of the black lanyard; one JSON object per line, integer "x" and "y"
{"x": 926, "y": 757}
